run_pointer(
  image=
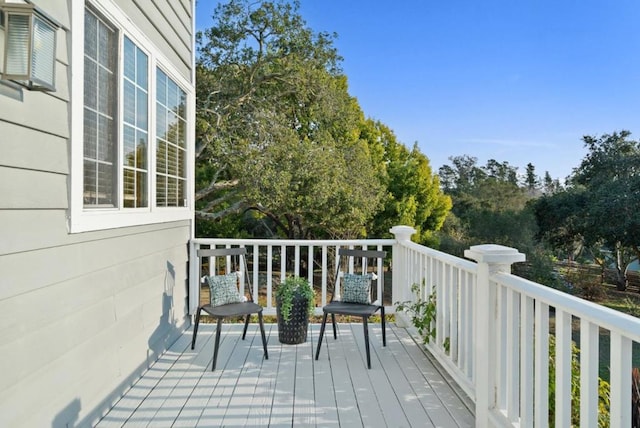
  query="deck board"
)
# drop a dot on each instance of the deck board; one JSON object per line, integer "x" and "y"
{"x": 291, "y": 388}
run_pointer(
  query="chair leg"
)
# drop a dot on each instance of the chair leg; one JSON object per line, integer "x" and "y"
{"x": 384, "y": 330}
{"x": 365, "y": 327}
{"x": 217, "y": 344}
{"x": 333, "y": 322}
{"x": 264, "y": 337}
{"x": 324, "y": 323}
{"x": 246, "y": 324}
{"x": 195, "y": 329}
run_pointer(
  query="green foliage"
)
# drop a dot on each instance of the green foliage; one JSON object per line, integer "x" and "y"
{"x": 422, "y": 312}
{"x": 488, "y": 206}
{"x": 279, "y": 135}
{"x": 294, "y": 286}
{"x": 603, "y": 389}
{"x": 413, "y": 196}
{"x": 588, "y": 284}
{"x": 277, "y": 131}
{"x": 631, "y": 307}
{"x": 599, "y": 209}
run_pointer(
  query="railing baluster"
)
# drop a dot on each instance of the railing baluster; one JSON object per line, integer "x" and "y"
{"x": 588, "y": 374}
{"x": 527, "y": 361}
{"x": 513, "y": 355}
{"x": 563, "y": 368}
{"x": 541, "y": 389}
{"x": 620, "y": 380}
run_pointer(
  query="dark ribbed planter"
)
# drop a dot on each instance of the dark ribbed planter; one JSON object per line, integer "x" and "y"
{"x": 294, "y": 331}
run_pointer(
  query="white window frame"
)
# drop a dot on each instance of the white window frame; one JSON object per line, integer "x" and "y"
{"x": 83, "y": 219}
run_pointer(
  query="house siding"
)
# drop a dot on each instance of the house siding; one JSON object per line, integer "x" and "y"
{"x": 82, "y": 315}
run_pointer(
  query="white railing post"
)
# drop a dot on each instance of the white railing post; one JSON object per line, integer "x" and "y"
{"x": 491, "y": 259}
{"x": 400, "y": 287}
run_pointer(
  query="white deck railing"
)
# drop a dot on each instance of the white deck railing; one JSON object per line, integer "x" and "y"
{"x": 492, "y": 328}
{"x": 271, "y": 260}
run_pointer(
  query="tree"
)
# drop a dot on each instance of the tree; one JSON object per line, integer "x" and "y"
{"x": 413, "y": 194}
{"x": 277, "y": 132}
{"x": 488, "y": 204}
{"x": 550, "y": 185}
{"x": 600, "y": 209}
{"x": 611, "y": 174}
{"x": 560, "y": 220}
{"x": 531, "y": 180}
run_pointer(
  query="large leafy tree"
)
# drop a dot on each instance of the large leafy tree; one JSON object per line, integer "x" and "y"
{"x": 610, "y": 172}
{"x": 278, "y": 134}
{"x": 599, "y": 210}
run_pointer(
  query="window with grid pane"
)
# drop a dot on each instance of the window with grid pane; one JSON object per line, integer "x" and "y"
{"x": 171, "y": 142}
{"x": 135, "y": 126}
{"x": 100, "y": 96}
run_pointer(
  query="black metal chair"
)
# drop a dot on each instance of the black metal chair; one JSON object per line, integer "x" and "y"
{"x": 352, "y": 294}
{"x": 223, "y": 303}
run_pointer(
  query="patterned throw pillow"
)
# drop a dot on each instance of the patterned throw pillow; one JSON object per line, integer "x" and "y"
{"x": 355, "y": 288}
{"x": 224, "y": 289}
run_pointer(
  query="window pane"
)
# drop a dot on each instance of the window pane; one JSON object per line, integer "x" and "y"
{"x": 142, "y": 68}
{"x": 171, "y": 141}
{"x": 90, "y": 175}
{"x": 91, "y": 83}
{"x": 161, "y": 88}
{"x": 135, "y": 115}
{"x": 90, "y": 134}
{"x": 129, "y": 60}
{"x": 106, "y": 91}
{"x": 161, "y": 157}
{"x": 90, "y": 36}
{"x": 129, "y": 146}
{"x": 182, "y": 199}
{"x": 161, "y": 122}
{"x": 142, "y": 112}
{"x": 106, "y": 47}
{"x": 182, "y": 134}
{"x": 181, "y": 159}
{"x": 129, "y": 103}
{"x": 106, "y": 139}
{"x": 141, "y": 150}
{"x": 183, "y": 105}
{"x": 172, "y": 159}
{"x": 105, "y": 185}
{"x": 129, "y": 184}
{"x": 161, "y": 190}
{"x": 172, "y": 192}
{"x": 99, "y": 124}
{"x": 142, "y": 199}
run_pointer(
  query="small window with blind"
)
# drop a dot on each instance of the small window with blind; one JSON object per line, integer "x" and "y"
{"x": 135, "y": 138}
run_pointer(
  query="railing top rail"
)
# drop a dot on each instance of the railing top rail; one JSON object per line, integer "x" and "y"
{"x": 293, "y": 242}
{"x": 447, "y": 258}
{"x": 607, "y": 318}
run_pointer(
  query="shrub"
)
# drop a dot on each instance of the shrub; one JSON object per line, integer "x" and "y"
{"x": 603, "y": 389}
{"x": 422, "y": 313}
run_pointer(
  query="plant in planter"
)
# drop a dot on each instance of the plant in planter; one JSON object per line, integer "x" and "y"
{"x": 295, "y": 302}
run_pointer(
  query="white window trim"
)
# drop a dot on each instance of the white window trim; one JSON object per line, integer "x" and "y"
{"x": 81, "y": 219}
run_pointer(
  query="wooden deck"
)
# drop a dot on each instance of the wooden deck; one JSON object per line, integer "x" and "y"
{"x": 291, "y": 389}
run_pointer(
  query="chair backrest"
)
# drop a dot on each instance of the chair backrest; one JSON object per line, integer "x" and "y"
{"x": 235, "y": 260}
{"x": 361, "y": 262}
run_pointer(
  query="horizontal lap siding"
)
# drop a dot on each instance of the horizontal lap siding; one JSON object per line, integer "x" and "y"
{"x": 81, "y": 315}
{"x": 168, "y": 26}
{"x": 62, "y": 327}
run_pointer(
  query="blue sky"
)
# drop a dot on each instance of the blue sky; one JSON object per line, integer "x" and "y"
{"x": 513, "y": 80}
